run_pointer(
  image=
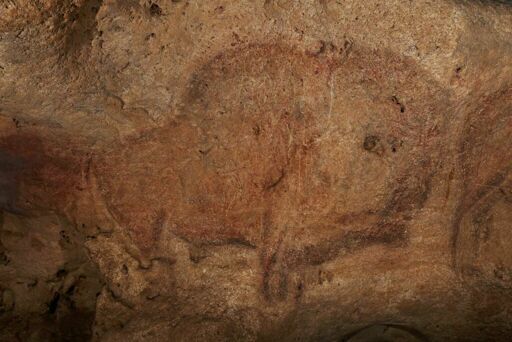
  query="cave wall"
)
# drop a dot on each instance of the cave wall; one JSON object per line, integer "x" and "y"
{"x": 255, "y": 170}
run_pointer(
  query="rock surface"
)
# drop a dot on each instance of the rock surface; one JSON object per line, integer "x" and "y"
{"x": 271, "y": 170}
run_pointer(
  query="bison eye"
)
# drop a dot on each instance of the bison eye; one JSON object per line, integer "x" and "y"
{"x": 371, "y": 142}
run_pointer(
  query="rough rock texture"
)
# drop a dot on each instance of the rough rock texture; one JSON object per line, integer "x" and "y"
{"x": 270, "y": 170}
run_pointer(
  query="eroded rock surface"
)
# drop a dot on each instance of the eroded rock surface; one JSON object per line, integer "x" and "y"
{"x": 255, "y": 170}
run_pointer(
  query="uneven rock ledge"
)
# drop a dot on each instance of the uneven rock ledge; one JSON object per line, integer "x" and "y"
{"x": 255, "y": 170}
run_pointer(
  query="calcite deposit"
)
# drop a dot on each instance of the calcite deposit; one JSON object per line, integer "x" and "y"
{"x": 255, "y": 170}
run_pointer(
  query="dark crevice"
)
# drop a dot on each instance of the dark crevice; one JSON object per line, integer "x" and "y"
{"x": 54, "y": 303}
{"x": 82, "y": 27}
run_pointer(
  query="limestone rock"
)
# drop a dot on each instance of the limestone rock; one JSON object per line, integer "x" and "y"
{"x": 287, "y": 170}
